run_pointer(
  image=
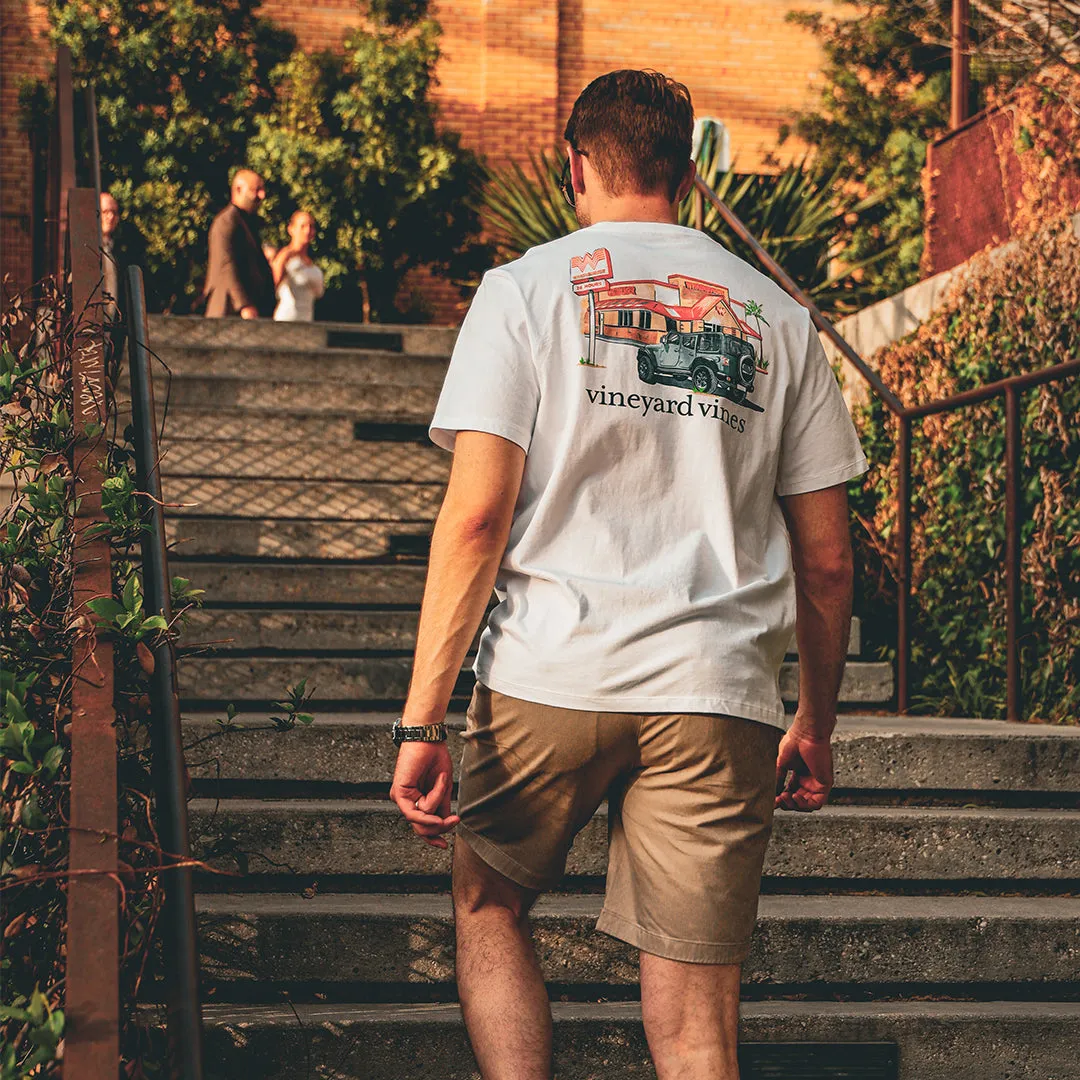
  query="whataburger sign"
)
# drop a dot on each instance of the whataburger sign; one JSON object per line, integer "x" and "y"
{"x": 589, "y": 273}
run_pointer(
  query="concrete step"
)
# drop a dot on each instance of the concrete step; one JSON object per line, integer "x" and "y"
{"x": 306, "y": 584}
{"x": 949, "y": 942}
{"x": 193, "y": 330}
{"x": 385, "y": 404}
{"x": 870, "y": 753}
{"x": 334, "y": 500}
{"x": 349, "y": 837}
{"x": 193, "y": 536}
{"x": 260, "y": 628}
{"x": 266, "y": 428}
{"x": 359, "y": 679}
{"x": 996, "y": 1040}
{"x": 276, "y": 363}
{"x": 305, "y": 459}
{"x": 342, "y": 631}
{"x": 292, "y": 584}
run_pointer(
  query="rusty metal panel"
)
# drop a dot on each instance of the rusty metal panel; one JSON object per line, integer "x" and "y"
{"x": 65, "y": 147}
{"x": 92, "y": 1042}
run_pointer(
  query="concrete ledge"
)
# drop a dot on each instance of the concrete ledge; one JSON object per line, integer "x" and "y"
{"x": 885, "y": 753}
{"x": 385, "y": 404}
{"x": 961, "y": 1041}
{"x": 300, "y": 584}
{"x": 386, "y": 678}
{"x": 257, "y": 628}
{"x": 266, "y": 427}
{"x": 332, "y": 500}
{"x": 271, "y": 362}
{"x": 803, "y": 940}
{"x": 193, "y": 536}
{"x": 193, "y": 330}
{"x": 330, "y": 837}
{"x": 389, "y": 462}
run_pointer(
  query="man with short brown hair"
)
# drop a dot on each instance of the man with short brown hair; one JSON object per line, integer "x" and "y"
{"x": 650, "y": 460}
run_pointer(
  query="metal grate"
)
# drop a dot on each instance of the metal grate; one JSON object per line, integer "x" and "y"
{"x": 819, "y": 1061}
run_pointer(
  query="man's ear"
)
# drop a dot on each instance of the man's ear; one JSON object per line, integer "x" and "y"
{"x": 687, "y": 183}
{"x": 577, "y": 170}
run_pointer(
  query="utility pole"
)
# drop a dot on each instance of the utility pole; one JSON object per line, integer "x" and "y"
{"x": 958, "y": 111}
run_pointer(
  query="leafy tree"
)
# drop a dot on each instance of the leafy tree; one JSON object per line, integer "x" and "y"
{"x": 885, "y": 97}
{"x": 353, "y": 140}
{"x": 179, "y": 87}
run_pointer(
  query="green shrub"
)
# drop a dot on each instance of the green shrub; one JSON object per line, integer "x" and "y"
{"x": 188, "y": 92}
{"x": 179, "y": 88}
{"x": 352, "y": 139}
{"x": 1019, "y": 313}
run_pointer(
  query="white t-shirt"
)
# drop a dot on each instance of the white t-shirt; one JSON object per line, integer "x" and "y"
{"x": 648, "y": 567}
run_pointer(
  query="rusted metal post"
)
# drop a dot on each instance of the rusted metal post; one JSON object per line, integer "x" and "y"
{"x": 961, "y": 85}
{"x": 92, "y": 1041}
{"x": 95, "y": 147}
{"x": 1013, "y": 522}
{"x": 903, "y": 572}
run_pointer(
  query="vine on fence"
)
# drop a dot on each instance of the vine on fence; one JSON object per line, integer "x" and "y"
{"x": 1015, "y": 313}
{"x": 38, "y": 630}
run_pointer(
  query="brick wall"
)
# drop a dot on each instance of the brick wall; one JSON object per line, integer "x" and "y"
{"x": 511, "y": 69}
{"x": 22, "y": 55}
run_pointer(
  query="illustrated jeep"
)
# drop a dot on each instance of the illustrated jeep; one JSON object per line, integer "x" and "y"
{"x": 710, "y": 361}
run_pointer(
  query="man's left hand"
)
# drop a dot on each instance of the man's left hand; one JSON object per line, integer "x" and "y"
{"x": 423, "y": 778}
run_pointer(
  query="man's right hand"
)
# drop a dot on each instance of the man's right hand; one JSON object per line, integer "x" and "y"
{"x": 807, "y": 753}
{"x": 249, "y": 312}
{"x": 423, "y": 778}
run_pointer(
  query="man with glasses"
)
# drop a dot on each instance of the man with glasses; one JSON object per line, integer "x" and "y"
{"x": 651, "y": 535}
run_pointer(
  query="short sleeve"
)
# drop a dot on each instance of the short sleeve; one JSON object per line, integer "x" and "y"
{"x": 819, "y": 446}
{"x": 491, "y": 384}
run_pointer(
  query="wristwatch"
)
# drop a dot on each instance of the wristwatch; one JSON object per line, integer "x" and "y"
{"x": 425, "y": 733}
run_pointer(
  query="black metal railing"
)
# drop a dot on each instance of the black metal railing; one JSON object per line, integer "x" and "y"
{"x": 179, "y": 941}
{"x": 1010, "y": 388}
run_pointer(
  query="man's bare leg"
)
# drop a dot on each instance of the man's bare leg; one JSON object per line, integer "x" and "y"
{"x": 691, "y": 1015}
{"x": 502, "y": 992}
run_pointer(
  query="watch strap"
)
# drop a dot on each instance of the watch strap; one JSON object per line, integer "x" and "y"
{"x": 420, "y": 733}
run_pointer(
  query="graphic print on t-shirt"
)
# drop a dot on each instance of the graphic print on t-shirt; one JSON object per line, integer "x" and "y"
{"x": 684, "y": 331}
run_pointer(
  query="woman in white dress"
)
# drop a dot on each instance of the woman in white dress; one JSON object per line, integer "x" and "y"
{"x": 298, "y": 280}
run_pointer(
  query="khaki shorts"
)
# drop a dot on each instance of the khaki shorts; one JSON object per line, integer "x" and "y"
{"x": 690, "y": 807}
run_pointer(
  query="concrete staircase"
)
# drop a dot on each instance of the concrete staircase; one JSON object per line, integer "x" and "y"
{"x": 932, "y": 905}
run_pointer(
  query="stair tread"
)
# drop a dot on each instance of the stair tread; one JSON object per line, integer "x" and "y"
{"x": 849, "y": 725}
{"x": 450, "y": 1013}
{"x": 574, "y": 905}
{"x": 912, "y": 813}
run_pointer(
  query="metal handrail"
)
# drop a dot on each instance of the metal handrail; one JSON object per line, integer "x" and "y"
{"x": 1010, "y": 388}
{"x": 179, "y": 939}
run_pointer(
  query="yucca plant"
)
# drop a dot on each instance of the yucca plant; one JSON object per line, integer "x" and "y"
{"x": 526, "y": 210}
{"x": 802, "y": 216}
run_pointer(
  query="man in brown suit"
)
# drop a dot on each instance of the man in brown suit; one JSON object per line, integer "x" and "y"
{"x": 238, "y": 280}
